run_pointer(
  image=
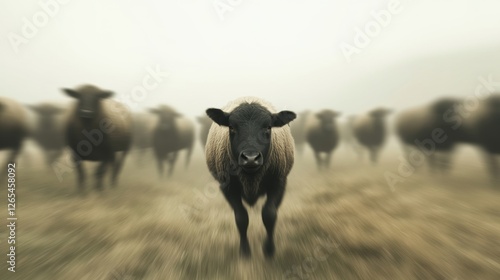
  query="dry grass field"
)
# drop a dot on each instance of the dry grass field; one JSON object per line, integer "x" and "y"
{"x": 344, "y": 224}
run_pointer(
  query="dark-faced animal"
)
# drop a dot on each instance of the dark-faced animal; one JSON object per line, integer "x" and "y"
{"x": 370, "y": 130}
{"x": 429, "y": 129}
{"x": 205, "y": 123}
{"x": 49, "y": 129}
{"x": 323, "y": 135}
{"x": 99, "y": 129}
{"x": 250, "y": 152}
{"x": 172, "y": 133}
{"x": 13, "y": 128}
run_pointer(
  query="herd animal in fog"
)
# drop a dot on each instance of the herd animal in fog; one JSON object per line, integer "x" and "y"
{"x": 250, "y": 152}
{"x": 323, "y": 135}
{"x": 172, "y": 133}
{"x": 99, "y": 129}
{"x": 426, "y": 128}
{"x": 370, "y": 130}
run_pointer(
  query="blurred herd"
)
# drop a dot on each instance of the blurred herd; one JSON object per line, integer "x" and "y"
{"x": 96, "y": 127}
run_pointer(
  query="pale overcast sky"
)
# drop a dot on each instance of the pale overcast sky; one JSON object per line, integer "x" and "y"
{"x": 285, "y": 51}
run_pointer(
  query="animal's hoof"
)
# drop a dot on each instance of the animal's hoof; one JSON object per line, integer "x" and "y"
{"x": 268, "y": 249}
{"x": 245, "y": 250}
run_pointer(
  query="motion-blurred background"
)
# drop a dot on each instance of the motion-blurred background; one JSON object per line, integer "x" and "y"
{"x": 406, "y": 93}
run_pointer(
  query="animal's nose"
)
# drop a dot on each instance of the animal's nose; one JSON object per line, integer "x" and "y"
{"x": 250, "y": 158}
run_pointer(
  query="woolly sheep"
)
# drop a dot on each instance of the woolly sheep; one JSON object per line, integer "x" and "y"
{"x": 322, "y": 135}
{"x": 98, "y": 129}
{"x": 250, "y": 152}
{"x": 370, "y": 130}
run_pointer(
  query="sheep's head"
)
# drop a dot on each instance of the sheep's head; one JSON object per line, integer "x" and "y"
{"x": 89, "y": 100}
{"x": 327, "y": 119}
{"x": 167, "y": 117}
{"x": 249, "y": 131}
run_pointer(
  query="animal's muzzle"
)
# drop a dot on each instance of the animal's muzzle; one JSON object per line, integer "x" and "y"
{"x": 250, "y": 161}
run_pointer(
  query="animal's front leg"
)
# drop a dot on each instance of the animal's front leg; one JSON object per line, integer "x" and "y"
{"x": 172, "y": 158}
{"x": 159, "y": 163}
{"x": 233, "y": 196}
{"x": 270, "y": 214}
{"x": 117, "y": 166}
{"x": 99, "y": 174}
{"x": 81, "y": 172}
{"x": 318, "y": 160}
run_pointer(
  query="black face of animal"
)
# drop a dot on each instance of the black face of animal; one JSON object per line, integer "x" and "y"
{"x": 167, "y": 118}
{"x": 327, "y": 119}
{"x": 89, "y": 100}
{"x": 250, "y": 128}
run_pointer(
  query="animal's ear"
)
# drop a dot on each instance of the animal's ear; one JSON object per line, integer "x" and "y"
{"x": 106, "y": 94}
{"x": 72, "y": 93}
{"x": 282, "y": 118}
{"x": 218, "y": 116}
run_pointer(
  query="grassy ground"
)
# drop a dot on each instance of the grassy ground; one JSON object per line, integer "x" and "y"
{"x": 344, "y": 224}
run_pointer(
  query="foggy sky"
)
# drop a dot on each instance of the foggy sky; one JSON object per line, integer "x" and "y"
{"x": 284, "y": 51}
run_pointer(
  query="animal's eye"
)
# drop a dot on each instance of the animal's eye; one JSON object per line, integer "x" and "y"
{"x": 231, "y": 129}
{"x": 268, "y": 129}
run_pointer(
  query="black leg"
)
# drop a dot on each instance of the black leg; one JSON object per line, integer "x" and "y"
{"x": 188, "y": 156}
{"x": 270, "y": 214}
{"x": 172, "y": 159}
{"x": 233, "y": 196}
{"x": 159, "y": 161}
{"x": 117, "y": 166}
{"x": 100, "y": 172}
{"x": 318, "y": 160}
{"x": 328, "y": 159}
{"x": 81, "y": 172}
